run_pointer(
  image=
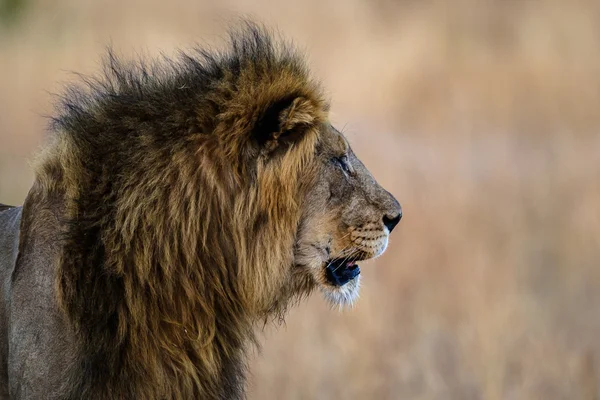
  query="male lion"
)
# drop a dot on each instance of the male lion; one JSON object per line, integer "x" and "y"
{"x": 177, "y": 206}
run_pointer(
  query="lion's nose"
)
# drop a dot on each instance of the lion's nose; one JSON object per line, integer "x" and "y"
{"x": 391, "y": 221}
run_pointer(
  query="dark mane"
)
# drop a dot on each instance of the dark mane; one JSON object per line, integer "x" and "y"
{"x": 152, "y": 159}
{"x": 163, "y": 96}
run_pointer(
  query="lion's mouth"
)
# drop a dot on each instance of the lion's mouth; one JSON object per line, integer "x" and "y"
{"x": 340, "y": 271}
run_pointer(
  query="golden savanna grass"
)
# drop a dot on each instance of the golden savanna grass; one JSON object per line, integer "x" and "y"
{"x": 480, "y": 116}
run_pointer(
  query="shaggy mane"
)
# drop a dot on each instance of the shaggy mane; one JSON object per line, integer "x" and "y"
{"x": 178, "y": 236}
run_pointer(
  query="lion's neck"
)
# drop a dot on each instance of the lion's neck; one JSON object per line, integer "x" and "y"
{"x": 159, "y": 279}
{"x": 157, "y": 314}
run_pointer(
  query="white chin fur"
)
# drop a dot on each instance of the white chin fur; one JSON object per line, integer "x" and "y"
{"x": 344, "y": 295}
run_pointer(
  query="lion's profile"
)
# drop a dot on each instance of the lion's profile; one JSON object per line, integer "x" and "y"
{"x": 177, "y": 205}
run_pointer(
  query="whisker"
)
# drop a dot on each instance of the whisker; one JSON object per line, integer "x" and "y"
{"x": 345, "y": 259}
{"x": 347, "y": 252}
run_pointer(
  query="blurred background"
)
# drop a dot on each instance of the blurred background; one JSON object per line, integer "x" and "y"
{"x": 482, "y": 117}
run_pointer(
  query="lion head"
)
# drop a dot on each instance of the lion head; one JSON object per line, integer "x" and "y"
{"x": 347, "y": 218}
{"x": 200, "y": 197}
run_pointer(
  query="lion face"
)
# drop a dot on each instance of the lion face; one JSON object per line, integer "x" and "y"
{"x": 347, "y": 218}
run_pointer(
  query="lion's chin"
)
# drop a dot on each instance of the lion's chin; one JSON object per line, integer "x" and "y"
{"x": 344, "y": 295}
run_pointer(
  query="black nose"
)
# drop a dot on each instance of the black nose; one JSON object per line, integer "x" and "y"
{"x": 391, "y": 222}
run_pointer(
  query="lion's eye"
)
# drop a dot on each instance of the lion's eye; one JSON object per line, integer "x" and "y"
{"x": 343, "y": 163}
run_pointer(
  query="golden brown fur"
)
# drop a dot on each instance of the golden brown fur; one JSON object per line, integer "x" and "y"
{"x": 194, "y": 194}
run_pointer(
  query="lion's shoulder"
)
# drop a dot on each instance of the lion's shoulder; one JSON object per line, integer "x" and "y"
{"x": 4, "y": 207}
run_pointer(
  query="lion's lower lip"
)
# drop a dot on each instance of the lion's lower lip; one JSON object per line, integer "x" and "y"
{"x": 341, "y": 271}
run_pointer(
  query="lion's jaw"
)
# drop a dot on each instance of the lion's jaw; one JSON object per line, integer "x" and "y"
{"x": 337, "y": 273}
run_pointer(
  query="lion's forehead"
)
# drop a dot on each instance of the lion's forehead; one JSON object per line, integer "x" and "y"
{"x": 333, "y": 140}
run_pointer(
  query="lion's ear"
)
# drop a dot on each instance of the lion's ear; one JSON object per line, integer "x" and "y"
{"x": 285, "y": 119}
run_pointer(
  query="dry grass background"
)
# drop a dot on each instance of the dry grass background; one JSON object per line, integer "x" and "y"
{"x": 482, "y": 117}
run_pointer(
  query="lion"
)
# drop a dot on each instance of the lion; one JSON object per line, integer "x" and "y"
{"x": 179, "y": 204}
